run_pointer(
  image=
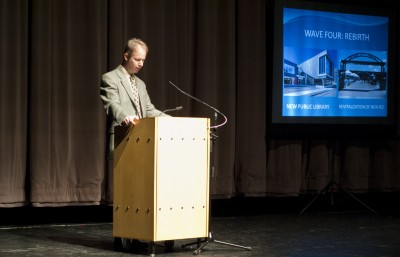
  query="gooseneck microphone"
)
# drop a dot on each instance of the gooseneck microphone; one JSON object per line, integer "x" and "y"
{"x": 178, "y": 108}
{"x": 206, "y": 104}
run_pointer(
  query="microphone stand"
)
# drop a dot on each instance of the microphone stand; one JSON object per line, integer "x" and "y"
{"x": 210, "y": 239}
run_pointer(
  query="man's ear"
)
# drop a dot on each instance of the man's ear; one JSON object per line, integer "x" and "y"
{"x": 126, "y": 56}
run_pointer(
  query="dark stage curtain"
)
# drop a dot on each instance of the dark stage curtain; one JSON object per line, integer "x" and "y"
{"x": 52, "y": 134}
{"x": 68, "y": 50}
{"x": 13, "y": 101}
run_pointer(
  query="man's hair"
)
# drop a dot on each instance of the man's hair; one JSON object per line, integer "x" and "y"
{"x": 133, "y": 43}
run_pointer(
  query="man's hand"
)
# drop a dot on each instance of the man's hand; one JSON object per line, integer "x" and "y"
{"x": 130, "y": 120}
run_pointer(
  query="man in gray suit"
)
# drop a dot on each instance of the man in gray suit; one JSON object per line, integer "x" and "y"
{"x": 124, "y": 95}
{"x": 125, "y": 101}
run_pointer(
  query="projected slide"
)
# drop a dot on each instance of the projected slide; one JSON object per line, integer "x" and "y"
{"x": 334, "y": 64}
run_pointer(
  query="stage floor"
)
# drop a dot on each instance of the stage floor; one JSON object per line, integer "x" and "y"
{"x": 354, "y": 233}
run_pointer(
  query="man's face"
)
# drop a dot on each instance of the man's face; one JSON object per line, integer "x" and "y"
{"x": 135, "y": 62}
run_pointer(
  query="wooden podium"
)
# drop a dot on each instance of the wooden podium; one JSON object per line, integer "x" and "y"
{"x": 161, "y": 179}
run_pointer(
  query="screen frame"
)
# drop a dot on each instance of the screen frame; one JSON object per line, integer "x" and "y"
{"x": 331, "y": 127}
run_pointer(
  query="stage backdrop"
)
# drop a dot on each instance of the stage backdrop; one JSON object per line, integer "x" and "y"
{"x": 52, "y": 130}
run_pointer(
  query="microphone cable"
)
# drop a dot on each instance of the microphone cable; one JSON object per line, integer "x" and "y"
{"x": 206, "y": 104}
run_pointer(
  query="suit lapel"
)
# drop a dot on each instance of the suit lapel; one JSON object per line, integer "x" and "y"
{"x": 125, "y": 83}
{"x": 142, "y": 96}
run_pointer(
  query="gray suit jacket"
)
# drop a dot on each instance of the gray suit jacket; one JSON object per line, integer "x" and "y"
{"x": 117, "y": 97}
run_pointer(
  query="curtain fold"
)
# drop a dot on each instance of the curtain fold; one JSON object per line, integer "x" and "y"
{"x": 68, "y": 44}
{"x": 317, "y": 165}
{"x": 251, "y": 91}
{"x": 215, "y": 83}
{"x": 13, "y": 102}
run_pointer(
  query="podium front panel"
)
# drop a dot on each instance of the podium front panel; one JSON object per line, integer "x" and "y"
{"x": 161, "y": 180}
{"x": 182, "y": 178}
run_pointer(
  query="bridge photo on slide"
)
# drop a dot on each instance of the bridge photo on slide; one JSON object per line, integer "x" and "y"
{"x": 362, "y": 75}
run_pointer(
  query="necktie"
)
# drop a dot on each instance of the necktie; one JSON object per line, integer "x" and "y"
{"x": 136, "y": 96}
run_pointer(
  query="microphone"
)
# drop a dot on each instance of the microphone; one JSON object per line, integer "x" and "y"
{"x": 178, "y": 108}
{"x": 206, "y": 104}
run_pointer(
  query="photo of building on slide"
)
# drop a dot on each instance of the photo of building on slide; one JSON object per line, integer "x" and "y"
{"x": 314, "y": 76}
{"x": 357, "y": 74}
